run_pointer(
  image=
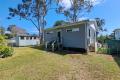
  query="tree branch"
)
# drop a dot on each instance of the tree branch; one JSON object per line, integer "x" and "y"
{"x": 34, "y": 23}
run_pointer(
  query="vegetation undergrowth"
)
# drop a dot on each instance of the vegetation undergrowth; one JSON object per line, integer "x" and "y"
{"x": 5, "y": 50}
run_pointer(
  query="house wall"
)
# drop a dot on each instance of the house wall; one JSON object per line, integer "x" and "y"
{"x": 74, "y": 39}
{"x": 17, "y": 41}
{"x": 117, "y": 34}
{"x": 26, "y": 42}
{"x": 91, "y": 35}
{"x": 50, "y": 36}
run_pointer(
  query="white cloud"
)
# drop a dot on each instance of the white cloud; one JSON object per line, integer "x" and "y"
{"x": 67, "y": 3}
{"x": 96, "y": 2}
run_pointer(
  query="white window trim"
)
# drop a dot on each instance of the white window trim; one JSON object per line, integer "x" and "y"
{"x": 68, "y": 30}
{"x": 73, "y": 30}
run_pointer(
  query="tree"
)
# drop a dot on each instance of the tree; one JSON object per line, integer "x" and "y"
{"x": 60, "y": 22}
{"x": 33, "y": 11}
{"x": 8, "y": 36}
{"x": 100, "y": 24}
{"x": 2, "y": 30}
{"x": 112, "y": 35}
{"x": 102, "y": 38}
{"x": 16, "y": 30}
{"x": 77, "y": 7}
{"x": 2, "y": 40}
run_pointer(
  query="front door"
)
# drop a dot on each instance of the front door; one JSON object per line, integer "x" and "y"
{"x": 59, "y": 36}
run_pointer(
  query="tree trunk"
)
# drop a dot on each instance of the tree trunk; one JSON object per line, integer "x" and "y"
{"x": 39, "y": 38}
{"x": 39, "y": 29}
{"x": 42, "y": 30}
{"x": 42, "y": 35}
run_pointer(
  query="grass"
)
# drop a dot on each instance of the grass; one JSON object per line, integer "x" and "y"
{"x": 33, "y": 64}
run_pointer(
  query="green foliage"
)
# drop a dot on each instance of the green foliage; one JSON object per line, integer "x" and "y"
{"x": 2, "y": 30}
{"x": 5, "y": 51}
{"x": 112, "y": 36}
{"x": 60, "y": 22}
{"x": 102, "y": 50}
{"x": 2, "y": 40}
{"x": 102, "y": 38}
{"x": 8, "y": 36}
{"x": 100, "y": 24}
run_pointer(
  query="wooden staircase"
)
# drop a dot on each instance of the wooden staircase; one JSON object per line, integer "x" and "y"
{"x": 53, "y": 45}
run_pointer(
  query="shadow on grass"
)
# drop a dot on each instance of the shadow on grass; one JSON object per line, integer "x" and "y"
{"x": 43, "y": 49}
{"x": 117, "y": 59}
{"x": 62, "y": 52}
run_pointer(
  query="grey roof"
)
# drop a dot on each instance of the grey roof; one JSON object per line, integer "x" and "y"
{"x": 26, "y": 35}
{"x": 116, "y": 30}
{"x": 71, "y": 25}
{"x": 68, "y": 25}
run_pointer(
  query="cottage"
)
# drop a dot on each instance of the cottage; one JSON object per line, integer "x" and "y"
{"x": 80, "y": 36}
{"x": 26, "y": 40}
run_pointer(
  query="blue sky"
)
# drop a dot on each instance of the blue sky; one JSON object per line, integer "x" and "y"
{"x": 108, "y": 10}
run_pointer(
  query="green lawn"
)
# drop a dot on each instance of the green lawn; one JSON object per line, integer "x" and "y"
{"x": 32, "y": 64}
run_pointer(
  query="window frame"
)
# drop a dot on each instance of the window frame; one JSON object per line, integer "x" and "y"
{"x": 22, "y": 37}
{"x": 27, "y": 38}
{"x": 89, "y": 33}
{"x": 68, "y": 30}
{"x": 35, "y": 37}
{"x": 31, "y": 38}
{"x": 75, "y": 29}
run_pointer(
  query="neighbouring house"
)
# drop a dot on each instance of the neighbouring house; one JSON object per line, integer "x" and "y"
{"x": 27, "y": 40}
{"x": 117, "y": 34}
{"x": 12, "y": 41}
{"x": 77, "y": 36}
{"x": 8, "y": 32}
{"x": 15, "y": 30}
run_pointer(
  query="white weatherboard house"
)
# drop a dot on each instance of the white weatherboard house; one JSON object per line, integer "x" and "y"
{"x": 117, "y": 34}
{"x": 80, "y": 36}
{"x": 27, "y": 40}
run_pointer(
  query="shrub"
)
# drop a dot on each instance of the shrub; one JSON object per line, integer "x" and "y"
{"x": 102, "y": 50}
{"x": 5, "y": 51}
{"x": 2, "y": 40}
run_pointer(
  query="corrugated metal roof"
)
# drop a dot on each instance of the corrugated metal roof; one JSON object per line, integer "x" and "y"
{"x": 68, "y": 25}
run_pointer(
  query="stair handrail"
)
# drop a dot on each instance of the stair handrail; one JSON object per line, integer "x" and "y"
{"x": 46, "y": 45}
{"x": 53, "y": 45}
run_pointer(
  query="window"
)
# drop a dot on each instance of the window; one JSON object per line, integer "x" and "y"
{"x": 27, "y": 38}
{"x": 69, "y": 30}
{"x": 34, "y": 37}
{"x": 89, "y": 33}
{"x": 75, "y": 29}
{"x": 72, "y": 30}
{"x": 22, "y": 37}
{"x": 50, "y": 32}
{"x": 30, "y": 38}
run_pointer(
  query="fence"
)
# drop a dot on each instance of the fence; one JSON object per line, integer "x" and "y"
{"x": 113, "y": 47}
